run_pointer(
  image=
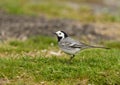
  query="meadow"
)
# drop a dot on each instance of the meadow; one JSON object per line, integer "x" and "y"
{"x": 37, "y": 61}
{"x": 70, "y": 9}
{"x": 26, "y": 63}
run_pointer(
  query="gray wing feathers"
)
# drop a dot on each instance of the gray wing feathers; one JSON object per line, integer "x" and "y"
{"x": 72, "y": 43}
{"x": 69, "y": 42}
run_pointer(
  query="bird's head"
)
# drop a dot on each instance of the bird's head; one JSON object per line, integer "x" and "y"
{"x": 61, "y": 35}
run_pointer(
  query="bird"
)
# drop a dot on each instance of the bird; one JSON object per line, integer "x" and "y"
{"x": 70, "y": 45}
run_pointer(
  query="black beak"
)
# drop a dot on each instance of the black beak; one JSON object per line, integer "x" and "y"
{"x": 54, "y": 33}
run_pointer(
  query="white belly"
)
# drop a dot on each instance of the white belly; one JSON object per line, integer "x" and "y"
{"x": 71, "y": 51}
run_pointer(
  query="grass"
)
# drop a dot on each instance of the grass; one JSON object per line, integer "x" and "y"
{"x": 30, "y": 62}
{"x": 56, "y": 8}
{"x": 23, "y": 63}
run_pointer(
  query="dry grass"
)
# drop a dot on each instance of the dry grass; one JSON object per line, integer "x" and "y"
{"x": 62, "y": 9}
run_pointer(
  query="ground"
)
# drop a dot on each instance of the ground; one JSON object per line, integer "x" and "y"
{"x": 37, "y": 61}
{"x": 29, "y": 54}
{"x": 23, "y": 27}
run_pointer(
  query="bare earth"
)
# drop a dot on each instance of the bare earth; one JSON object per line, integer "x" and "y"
{"x": 23, "y": 27}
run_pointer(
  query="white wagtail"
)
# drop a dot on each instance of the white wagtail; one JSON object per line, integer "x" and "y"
{"x": 71, "y": 46}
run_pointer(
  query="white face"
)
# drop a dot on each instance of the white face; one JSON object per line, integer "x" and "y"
{"x": 60, "y": 34}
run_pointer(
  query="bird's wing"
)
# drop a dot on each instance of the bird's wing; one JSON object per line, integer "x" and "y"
{"x": 69, "y": 42}
{"x": 77, "y": 45}
{"x": 73, "y": 44}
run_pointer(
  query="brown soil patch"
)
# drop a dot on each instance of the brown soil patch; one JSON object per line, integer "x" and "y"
{"x": 23, "y": 27}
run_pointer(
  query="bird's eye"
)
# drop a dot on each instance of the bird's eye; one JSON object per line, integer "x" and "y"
{"x": 59, "y": 33}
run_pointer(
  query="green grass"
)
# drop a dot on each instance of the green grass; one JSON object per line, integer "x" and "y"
{"x": 34, "y": 43}
{"x": 56, "y": 8}
{"x": 92, "y": 66}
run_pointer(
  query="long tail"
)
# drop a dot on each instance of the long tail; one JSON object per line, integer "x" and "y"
{"x": 96, "y": 47}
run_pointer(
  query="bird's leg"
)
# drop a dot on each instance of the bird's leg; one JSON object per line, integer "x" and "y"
{"x": 72, "y": 56}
